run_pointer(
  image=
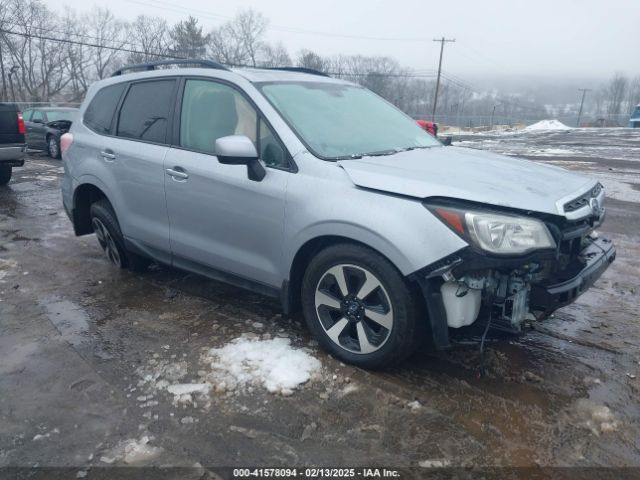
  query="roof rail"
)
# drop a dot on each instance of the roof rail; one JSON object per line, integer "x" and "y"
{"x": 310, "y": 71}
{"x": 184, "y": 61}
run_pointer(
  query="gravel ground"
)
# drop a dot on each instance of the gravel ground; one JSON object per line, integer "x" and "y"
{"x": 88, "y": 351}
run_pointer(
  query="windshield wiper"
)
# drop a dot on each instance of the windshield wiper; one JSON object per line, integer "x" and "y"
{"x": 408, "y": 149}
{"x": 379, "y": 153}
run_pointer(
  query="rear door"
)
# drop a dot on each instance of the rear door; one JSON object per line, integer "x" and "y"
{"x": 220, "y": 218}
{"x": 135, "y": 155}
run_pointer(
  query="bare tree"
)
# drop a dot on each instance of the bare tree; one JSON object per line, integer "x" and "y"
{"x": 5, "y": 19}
{"x": 309, "y": 59}
{"x": 633, "y": 97}
{"x": 149, "y": 35}
{"x": 274, "y": 56}
{"x": 240, "y": 40}
{"x": 39, "y": 65}
{"x": 616, "y": 91}
{"x": 79, "y": 57}
{"x": 108, "y": 33}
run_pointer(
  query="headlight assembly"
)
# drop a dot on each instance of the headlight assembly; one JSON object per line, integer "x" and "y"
{"x": 497, "y": 233}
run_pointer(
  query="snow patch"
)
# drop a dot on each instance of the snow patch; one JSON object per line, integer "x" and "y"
{"x": 132, "y": 451}
{"x": 434, "y": 463}
{"x": 547, "y": 125}
{"x": 273, "y": 364}
{"x": 597, "y": 418}
{"x": 6, "y": 265}
{"x": 183, "y": 392}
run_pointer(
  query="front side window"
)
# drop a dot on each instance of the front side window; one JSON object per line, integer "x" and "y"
{"x": 37, "y": 116}
{"x": 341, "y": 121}
{"x": 99, "y": 113}
{"x": 145, "y": 111}
{"x": 271, "y": 151}
{"x": 213, "y": 110}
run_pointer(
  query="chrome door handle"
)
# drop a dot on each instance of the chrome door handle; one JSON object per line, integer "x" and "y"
{"x": 107, "y": 155}
{"x": 177, "y": 174}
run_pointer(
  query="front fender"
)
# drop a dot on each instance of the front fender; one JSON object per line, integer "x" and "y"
{"x": 400, "y": 228}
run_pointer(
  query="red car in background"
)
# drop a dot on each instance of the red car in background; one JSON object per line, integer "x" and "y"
{"x": 430, "y": 127}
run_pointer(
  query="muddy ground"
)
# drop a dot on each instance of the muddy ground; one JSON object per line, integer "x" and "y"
{"x": 78, "y": 339}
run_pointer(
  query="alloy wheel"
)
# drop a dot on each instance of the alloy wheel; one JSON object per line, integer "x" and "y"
{"x": 354, "y": 308}
{"x": 106, "y": 242}
{"x": 53, "y": 147}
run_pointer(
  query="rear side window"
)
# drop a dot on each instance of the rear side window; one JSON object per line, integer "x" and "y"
{"x": 145, "y": 112}
{"x": 101, "y": 109}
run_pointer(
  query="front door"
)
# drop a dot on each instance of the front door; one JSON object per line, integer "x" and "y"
{"x": 218, "y": 216}
{"x": 35, "y": 130}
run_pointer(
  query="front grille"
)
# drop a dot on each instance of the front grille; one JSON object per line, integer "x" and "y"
{"x": 582, "y": 200}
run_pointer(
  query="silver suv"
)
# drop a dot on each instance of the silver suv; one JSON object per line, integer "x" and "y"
{"x": 320, "y": 193}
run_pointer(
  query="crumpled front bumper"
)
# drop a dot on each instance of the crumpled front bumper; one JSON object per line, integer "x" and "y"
{"x": 597, "y": 256}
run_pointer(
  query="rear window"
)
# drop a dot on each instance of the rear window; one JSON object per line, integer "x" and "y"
{"x": 56, "y": 115}
{"x": 145, "y": 112}
{"x": 101, "y": 109}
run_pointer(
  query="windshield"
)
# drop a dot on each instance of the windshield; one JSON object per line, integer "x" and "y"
{"x": 55, "y": 115}
{"x": 338, "y": 121}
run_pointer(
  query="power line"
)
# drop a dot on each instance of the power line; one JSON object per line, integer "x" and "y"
{"x": 86, "y": 44}
{"x": 172, "y": 7}
{"x": 129, "y": 50}
{"x": 74, "y": 34}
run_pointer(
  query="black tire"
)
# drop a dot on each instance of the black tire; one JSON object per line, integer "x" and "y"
{"x": 53, "y": 147}
{"x": 5, "y": 174}
{"x": 107, "y": 229}
{"x": 392, "y": 298}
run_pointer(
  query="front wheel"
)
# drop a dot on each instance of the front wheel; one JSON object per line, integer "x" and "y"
{"x": 5, "y": 174}
{"x": 53, "y": 146}
{"x": 360, "y": 307}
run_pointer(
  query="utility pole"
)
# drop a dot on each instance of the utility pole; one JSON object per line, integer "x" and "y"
{"x": 584, "y": 93}
{"x": 435, "y": 99}
{"x": 4, "y": 95}
{"x": 12, "y": 71}
{"x": 492, "y": 114}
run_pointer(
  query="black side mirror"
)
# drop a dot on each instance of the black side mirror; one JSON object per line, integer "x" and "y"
{"x": 37, "y": 120}
{"x": 446, "y": 141}
{"x": 239, "y": 150}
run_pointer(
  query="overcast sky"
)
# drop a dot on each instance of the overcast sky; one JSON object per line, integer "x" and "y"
{"x": 587, "y": 39}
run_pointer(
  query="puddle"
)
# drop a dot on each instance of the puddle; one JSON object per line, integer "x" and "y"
{"x": 68, "y": 318}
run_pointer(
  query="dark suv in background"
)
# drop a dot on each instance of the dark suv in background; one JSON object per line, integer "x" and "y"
{"x": 12, "y": 144}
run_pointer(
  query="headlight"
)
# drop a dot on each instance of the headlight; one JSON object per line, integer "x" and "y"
{"x": 496, "y": 233}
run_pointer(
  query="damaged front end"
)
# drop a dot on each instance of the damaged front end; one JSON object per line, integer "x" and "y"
{"x": 519, "y": 266}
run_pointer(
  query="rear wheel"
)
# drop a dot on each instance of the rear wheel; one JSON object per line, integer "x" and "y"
{"x": 360, "y": 307}
{"x": 107, "y": 230}
{"x": 5, "y": 174}
{"x": 53, "y": 146}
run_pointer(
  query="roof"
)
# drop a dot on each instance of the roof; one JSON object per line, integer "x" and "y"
{"x": 54, "y": 109}
{"x": 257, "y": 75}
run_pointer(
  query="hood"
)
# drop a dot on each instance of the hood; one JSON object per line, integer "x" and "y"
{"x": 468, "y": 174}
{"x": 63, "y": 125}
